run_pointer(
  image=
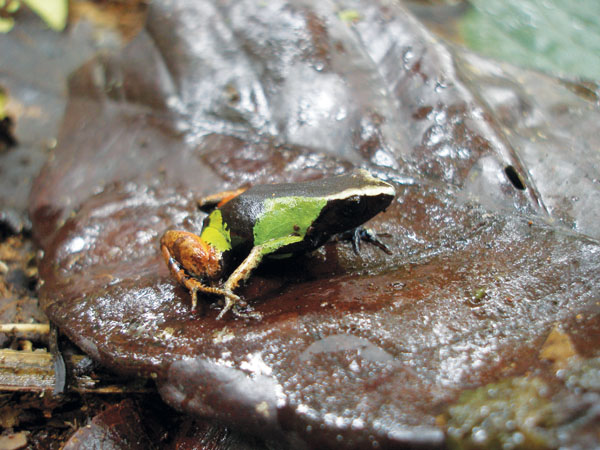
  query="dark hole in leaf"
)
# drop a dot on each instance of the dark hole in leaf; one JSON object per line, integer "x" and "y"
{"x": 514, "y": 177}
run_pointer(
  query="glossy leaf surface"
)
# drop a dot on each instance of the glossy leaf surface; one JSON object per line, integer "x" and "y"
{"x": 493, "y": 232}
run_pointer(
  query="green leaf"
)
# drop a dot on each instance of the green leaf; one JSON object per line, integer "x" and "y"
{"x": 53, "y": 12}
{"x": 6, "y": 24}
{"x": 11, "y": 7}
{"x": 3, "y": 102}
{"x": 554, "y": 36}
{"x": 349, "y": 16}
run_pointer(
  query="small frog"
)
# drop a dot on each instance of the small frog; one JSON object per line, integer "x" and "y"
{"x": 270, "y": 220}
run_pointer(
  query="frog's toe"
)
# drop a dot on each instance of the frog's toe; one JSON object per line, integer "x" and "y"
{"x": 238, "y": 307}
{"x": 246, "y": 312}
{"x": 230, "y": 301}
{"x": 365, "y": 234}
{"x": 194, "y": 296}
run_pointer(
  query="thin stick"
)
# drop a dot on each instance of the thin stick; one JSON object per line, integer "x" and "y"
{"x": 40, "y": 328}
{"x": 23, "y": 371}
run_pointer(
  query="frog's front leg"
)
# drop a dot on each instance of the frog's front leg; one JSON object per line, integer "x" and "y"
{"x": 244, "y": 270}
{"x": 358, "y": 234}
{"x": 240, "y": 275}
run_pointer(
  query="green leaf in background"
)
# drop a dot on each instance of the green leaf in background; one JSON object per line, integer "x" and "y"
{"x": 349, "y": 16}
{"x": 6, "y": 23}
{"x": 53, "y": 12}
{"x": 9, "y": 6}
{"x": 556, "y": 36}
{"x": 3, "y": 102}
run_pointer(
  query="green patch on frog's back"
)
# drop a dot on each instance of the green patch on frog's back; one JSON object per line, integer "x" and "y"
{"x": 286, "y": 216}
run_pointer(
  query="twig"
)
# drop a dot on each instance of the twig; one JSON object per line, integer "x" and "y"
{"x": 24, "y": 371}
{"x": 34, "y": 328}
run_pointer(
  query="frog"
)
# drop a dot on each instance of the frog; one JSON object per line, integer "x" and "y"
{"x": 247, "y": 225}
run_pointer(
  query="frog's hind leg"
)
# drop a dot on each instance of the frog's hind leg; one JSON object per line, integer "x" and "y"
{"x": 192, "y": 284}
{"x": 217, "y": 200}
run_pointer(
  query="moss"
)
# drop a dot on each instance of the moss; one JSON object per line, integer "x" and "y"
{"x": 514, "y": 413}
{"x": 582, "y": 374}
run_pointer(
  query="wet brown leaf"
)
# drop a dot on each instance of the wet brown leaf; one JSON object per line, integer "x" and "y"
{"x": 493, "y": 232}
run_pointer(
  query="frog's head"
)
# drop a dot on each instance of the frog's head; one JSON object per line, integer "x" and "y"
{"x": 352, "y": 199}
{"x": 193, "y": 255}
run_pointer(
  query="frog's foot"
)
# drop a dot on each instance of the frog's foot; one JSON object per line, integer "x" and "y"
{"x": 238, "y": 306}
{"x": 359, "y": 234}
{"x": 195, "y": 286}
{"x": 245, "y": 312}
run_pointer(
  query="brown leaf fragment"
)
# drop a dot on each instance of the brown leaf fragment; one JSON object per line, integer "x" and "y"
{"x": 558, "y": 348}
{"x": 119, "y": 427}
{"x": 13, "y": 441}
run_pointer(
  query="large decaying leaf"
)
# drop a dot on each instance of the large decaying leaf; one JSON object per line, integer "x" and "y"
{"x": 494, "y": 229}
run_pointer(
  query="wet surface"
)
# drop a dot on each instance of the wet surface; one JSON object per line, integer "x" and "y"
{"x": 118, "y": 426}
{"x": 353, "y": 350}
{"x": 35, "y": 104}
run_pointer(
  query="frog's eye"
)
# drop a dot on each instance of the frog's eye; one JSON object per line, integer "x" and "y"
{"x": 353, "y": 201}
{"x": 352, "y": 206}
